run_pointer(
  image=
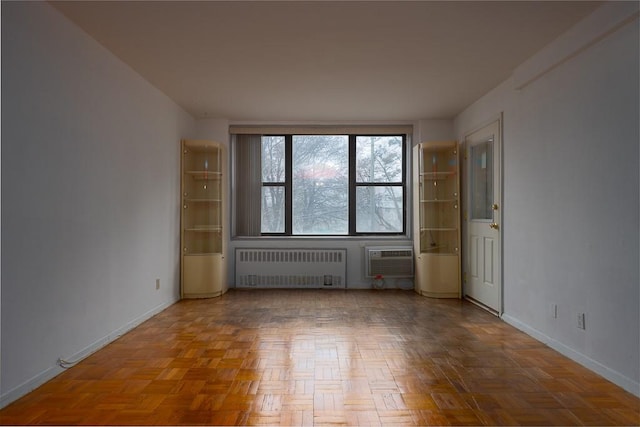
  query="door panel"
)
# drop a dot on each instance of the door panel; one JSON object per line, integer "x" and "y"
{"x": 483, "y": 217}
{"x": 474, "y": 255}
{"x": 488, "y": 261}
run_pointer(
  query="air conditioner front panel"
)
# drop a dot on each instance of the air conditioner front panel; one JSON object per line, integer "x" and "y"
{"x": 389, "y": 262}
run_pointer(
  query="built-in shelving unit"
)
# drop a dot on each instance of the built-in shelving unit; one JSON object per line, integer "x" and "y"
{"x": 437, "y": 216}
{"x": 203, "y": 224}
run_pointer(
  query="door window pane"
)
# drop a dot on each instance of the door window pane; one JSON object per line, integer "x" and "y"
{"x": 481, "y": 169}
{"x": 379, "y": 209}
{"x": 320, "y": 184}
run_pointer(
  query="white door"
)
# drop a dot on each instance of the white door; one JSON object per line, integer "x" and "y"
{"x": 483, "y": 253}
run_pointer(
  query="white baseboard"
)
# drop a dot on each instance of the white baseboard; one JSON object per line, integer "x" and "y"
{"x": 53, "y": 371}
{"x": 615, "y": 377}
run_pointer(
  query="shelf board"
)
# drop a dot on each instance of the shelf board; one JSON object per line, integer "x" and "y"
{"x": 205, "y": 175}
{"x": 438, "y": 229}
{"x": 202, "y": 253}
{"x": 440, "y": 253}
{"x": 438, "y": 248}
{"x": 437, "y": 175}
{"x": 438, "y": 200}
{"x": 434, "y": 248}
{"x": 204, "y": 200}
{"x": 205, "y": 229}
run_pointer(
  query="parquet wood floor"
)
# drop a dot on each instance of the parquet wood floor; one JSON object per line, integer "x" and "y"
{"x": 306, "y": 357}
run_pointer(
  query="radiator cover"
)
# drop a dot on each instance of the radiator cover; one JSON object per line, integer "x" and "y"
{"x": 291, "y": 268}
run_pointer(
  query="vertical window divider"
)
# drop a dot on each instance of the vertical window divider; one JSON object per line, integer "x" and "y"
{"x": 406, "y": 177}
{"x": 352, "y": 185}
{"x": 288, "y": 184}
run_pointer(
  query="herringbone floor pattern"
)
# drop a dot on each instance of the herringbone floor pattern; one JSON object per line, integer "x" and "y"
{"x": 326, "y": 358}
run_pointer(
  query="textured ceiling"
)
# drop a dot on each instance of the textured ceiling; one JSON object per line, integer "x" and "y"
{"x": 324, "y": 60}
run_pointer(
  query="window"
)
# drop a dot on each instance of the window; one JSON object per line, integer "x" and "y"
{"x": 322, "y": 185}
{"x": 379, "y": 184}
{"x": 320, "y": 181}
{"x": 273, "y": 184}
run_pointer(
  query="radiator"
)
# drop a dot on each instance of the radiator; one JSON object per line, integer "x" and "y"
{"x": 291, "y": 268}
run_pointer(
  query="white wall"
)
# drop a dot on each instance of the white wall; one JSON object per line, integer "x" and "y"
{"x": 571, "y": 192}
{"x": 90, "y": 195}
{"x": 434, "y": 130}
{"x": 214, "y": 130}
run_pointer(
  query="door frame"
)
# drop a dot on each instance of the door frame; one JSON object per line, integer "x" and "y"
{"x": 465, "y": 209}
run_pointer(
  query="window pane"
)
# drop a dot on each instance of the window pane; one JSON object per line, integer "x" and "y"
{"x": 379, "y": 209}
{"x": 379, "y": 159}
{"x": 320, "y": 184}
{"x": 272, "y": 209}
{"x": 482, "y": 180}
{"x": 273, "y": 159}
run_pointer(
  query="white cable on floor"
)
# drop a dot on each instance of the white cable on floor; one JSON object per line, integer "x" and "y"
{"x": 66, "y": 365}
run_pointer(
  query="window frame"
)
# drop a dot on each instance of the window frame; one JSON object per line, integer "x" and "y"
{"x": 352, "y": 187}
{"x": 354, "y": 184}
{"x": 286, "y": 184}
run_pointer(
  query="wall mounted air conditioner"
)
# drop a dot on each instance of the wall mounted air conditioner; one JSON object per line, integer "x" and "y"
{"x": 389, "y": 261}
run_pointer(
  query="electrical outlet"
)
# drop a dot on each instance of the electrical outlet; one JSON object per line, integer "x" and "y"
{"x": 581, "y": 319}
{"x": 553, "y": 311}
{"x": 157, "y": 284}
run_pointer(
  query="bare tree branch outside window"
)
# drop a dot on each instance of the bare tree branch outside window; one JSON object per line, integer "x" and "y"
{"x": 320, "y": 184}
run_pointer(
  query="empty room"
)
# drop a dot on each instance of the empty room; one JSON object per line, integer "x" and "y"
{"x": 320, "y": 213}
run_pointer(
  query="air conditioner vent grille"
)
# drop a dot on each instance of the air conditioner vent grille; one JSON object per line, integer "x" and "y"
{"x": 395, "y": 254}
